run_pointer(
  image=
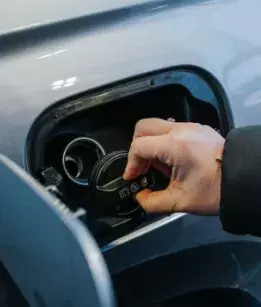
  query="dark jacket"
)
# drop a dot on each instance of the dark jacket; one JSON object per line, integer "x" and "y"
{"x": 240, "y": 207}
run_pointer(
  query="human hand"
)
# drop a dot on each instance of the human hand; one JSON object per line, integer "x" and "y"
{"x": 188, "y": 154}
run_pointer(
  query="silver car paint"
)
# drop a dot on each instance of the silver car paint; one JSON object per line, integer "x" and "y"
{"x": 65, "y": 49}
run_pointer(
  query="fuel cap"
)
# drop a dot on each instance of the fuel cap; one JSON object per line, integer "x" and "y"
{"x": 110, "y": 194}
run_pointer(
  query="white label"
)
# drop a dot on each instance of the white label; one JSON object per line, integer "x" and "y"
{"x": 125, "y": 192}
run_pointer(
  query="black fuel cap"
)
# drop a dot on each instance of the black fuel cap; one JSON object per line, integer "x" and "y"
{"x": 110, "y": 194}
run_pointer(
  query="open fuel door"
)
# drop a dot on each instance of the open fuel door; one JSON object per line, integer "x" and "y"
{"x": 49, "y": 253}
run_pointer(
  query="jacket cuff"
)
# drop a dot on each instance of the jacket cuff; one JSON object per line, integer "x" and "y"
{"x": 240, "y": 204}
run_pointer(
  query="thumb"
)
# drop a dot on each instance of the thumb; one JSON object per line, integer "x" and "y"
{"x": 156, "y": 201}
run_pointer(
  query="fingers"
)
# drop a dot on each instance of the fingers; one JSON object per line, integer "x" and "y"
{"x": 144, "y": 150}
{"x": 157, "y": 202}
{"x": 156, "y": 126}
{"x": 152, "y": 127}
{"x": 147, "y": 127}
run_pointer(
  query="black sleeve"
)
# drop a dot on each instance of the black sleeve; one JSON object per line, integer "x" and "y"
{"x": 240, "y": 205}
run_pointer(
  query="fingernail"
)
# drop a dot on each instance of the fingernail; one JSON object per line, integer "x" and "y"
{"x": 128, "y": 176}
{"x": 125, "y": 176}
{"x": 130, "y": 173}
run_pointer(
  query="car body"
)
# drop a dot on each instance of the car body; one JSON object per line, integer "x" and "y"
{"x": 52, "y": 52}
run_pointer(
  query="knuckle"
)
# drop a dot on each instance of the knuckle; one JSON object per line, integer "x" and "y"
{"x": 146, "y": 125}
{"x": 135, "y": 146}
{"x": 207, "y": 127}
{"x": 177, "y": 140}
{"x": 139, "y": 127}
{"x": 139, "y": 124}
{"x": 173, "y": 139}
{"x": 195, "y": 126}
